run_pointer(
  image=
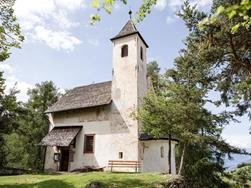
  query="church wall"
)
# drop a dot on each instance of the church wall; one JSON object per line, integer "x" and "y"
{"x": 142, "y": 71}
{"x": 102, "y": 146}
{"x": 150, "y": 155}
{"x": 50, "y": 164}
{"x": 124, "y": 95}
{"x": 110, "y": 132}
{"x": 82, "y": 115}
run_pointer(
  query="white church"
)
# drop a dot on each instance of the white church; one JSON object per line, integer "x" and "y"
{"x": 91, "y": 126}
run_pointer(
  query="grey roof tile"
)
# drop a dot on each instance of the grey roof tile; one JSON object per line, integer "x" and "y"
{"x": 129, "y": 29}
{"x": 60, "y": 136}
{"x": 83, "y": 97}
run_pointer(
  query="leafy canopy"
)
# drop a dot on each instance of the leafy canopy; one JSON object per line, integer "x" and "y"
{"x": 10, "y": 34}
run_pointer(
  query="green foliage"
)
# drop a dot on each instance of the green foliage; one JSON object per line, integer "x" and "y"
{"x": 176, "y": 108}
{"x": 242, "y": 175}
{"x": 243, "y": 164}
{"x": 107, "y": 6}
{"x": 10, "y": 112}
{"x": 239, "y": 11}
{"x": 153, "y": 74}
{"x": 16, "y": 155}
{"x": 33, "y": 126}
{"x": 226, "y": 57}
{"x": 10, "y": 35}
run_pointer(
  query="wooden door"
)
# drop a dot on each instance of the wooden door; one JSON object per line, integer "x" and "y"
{"x": 64, "y": 160}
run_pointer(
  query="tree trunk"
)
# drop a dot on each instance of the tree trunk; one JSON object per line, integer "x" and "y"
{"x": 182, "y": 159}
{"x": 169, "y": 154}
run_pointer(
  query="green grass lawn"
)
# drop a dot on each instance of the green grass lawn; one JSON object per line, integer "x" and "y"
{"x": 109, "y": 180}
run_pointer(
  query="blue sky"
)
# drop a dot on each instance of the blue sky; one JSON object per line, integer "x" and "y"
{"x": 63, "y": 47}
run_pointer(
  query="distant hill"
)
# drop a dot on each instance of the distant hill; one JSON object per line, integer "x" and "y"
{"x": 237, "y": 159}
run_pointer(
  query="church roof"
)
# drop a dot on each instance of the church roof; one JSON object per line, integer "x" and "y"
{"x": 129, "y": 29}
{"x": 84, "y": 97}
{"x": 146, "y": 137}
{"x": 60, "y": 136}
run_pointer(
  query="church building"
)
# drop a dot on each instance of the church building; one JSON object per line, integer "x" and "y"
{"x": 91, "y": 126}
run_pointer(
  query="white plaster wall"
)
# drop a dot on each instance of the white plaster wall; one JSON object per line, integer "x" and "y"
{"x": 142, "y": 71}
{"x": 102, "y": 146}
{"x": 128, "y": 86}
{"x": 151, "y": 156}
{"x": 50, "y": 164}
{"x": 125, "y": 97}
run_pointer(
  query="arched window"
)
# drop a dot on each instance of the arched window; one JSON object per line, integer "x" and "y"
{"x": 124, "y": 51}
{"x": 141, "y": 53}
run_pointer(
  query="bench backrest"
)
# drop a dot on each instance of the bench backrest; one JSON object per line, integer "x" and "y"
{"x": 124, "y": 163}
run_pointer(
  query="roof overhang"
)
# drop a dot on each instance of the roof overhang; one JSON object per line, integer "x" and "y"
{"x": 133, "y": 33}
{"x": 147, "y": 137}
{"x": 60, "y": 136}
{"x": 78, "y": 108}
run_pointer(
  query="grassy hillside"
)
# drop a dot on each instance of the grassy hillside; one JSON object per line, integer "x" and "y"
{"x": 109, "y": 180}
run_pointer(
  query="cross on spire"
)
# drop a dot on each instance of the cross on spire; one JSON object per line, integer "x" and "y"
{"x": 130, "y": 13}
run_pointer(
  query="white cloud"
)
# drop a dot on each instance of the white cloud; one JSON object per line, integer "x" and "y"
{"x": 161, "y": 4}
{"x": 241, "y": 141}
{"x": 54, "y": 15}
{"x": 176, "y": 4}
{"x": 56, "y": 39}
{"x": 11, "y": 81}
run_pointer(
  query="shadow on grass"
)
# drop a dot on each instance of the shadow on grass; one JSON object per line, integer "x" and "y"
{"x": 129, "y": 183}
{"x": 42, "y": 184}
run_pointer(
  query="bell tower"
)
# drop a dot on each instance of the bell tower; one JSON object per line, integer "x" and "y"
{"x": 129, "y": 82}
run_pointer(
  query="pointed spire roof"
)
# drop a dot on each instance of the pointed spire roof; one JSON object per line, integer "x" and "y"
{"x": 128, "y": 29}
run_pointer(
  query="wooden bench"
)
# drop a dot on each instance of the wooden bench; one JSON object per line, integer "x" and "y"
{"x": 124, "y": 164}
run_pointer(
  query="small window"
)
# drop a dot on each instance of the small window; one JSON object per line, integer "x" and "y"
{"x": 120, "y": 155}
{"x": 89, "y": 144}
{"x": 162, "y": 152}
{"x": 141, "y": 53}
{"x": 124, "y": 51}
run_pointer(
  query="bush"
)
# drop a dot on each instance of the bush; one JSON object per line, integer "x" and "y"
{"x": 242, "y": 175}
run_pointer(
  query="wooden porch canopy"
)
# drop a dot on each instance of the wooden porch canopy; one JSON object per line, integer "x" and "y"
{"x": 60, "y": 136}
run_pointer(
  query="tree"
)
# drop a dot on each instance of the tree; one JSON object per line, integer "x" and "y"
{"x": 10, "y": 109}
{"x": 33, "y": 127}
{"x": 153, "y": 73}
{"x": 241, "y": 175}
{"x": 107, "y": 6}
{"x": 10, "y": 35}
{"x": 37, "y": 124}
{"x": 240, "y": 10}
{"x": 178, "y": 109}
{"x": 10, "y": 112}
{"x": 225, "y": 55}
